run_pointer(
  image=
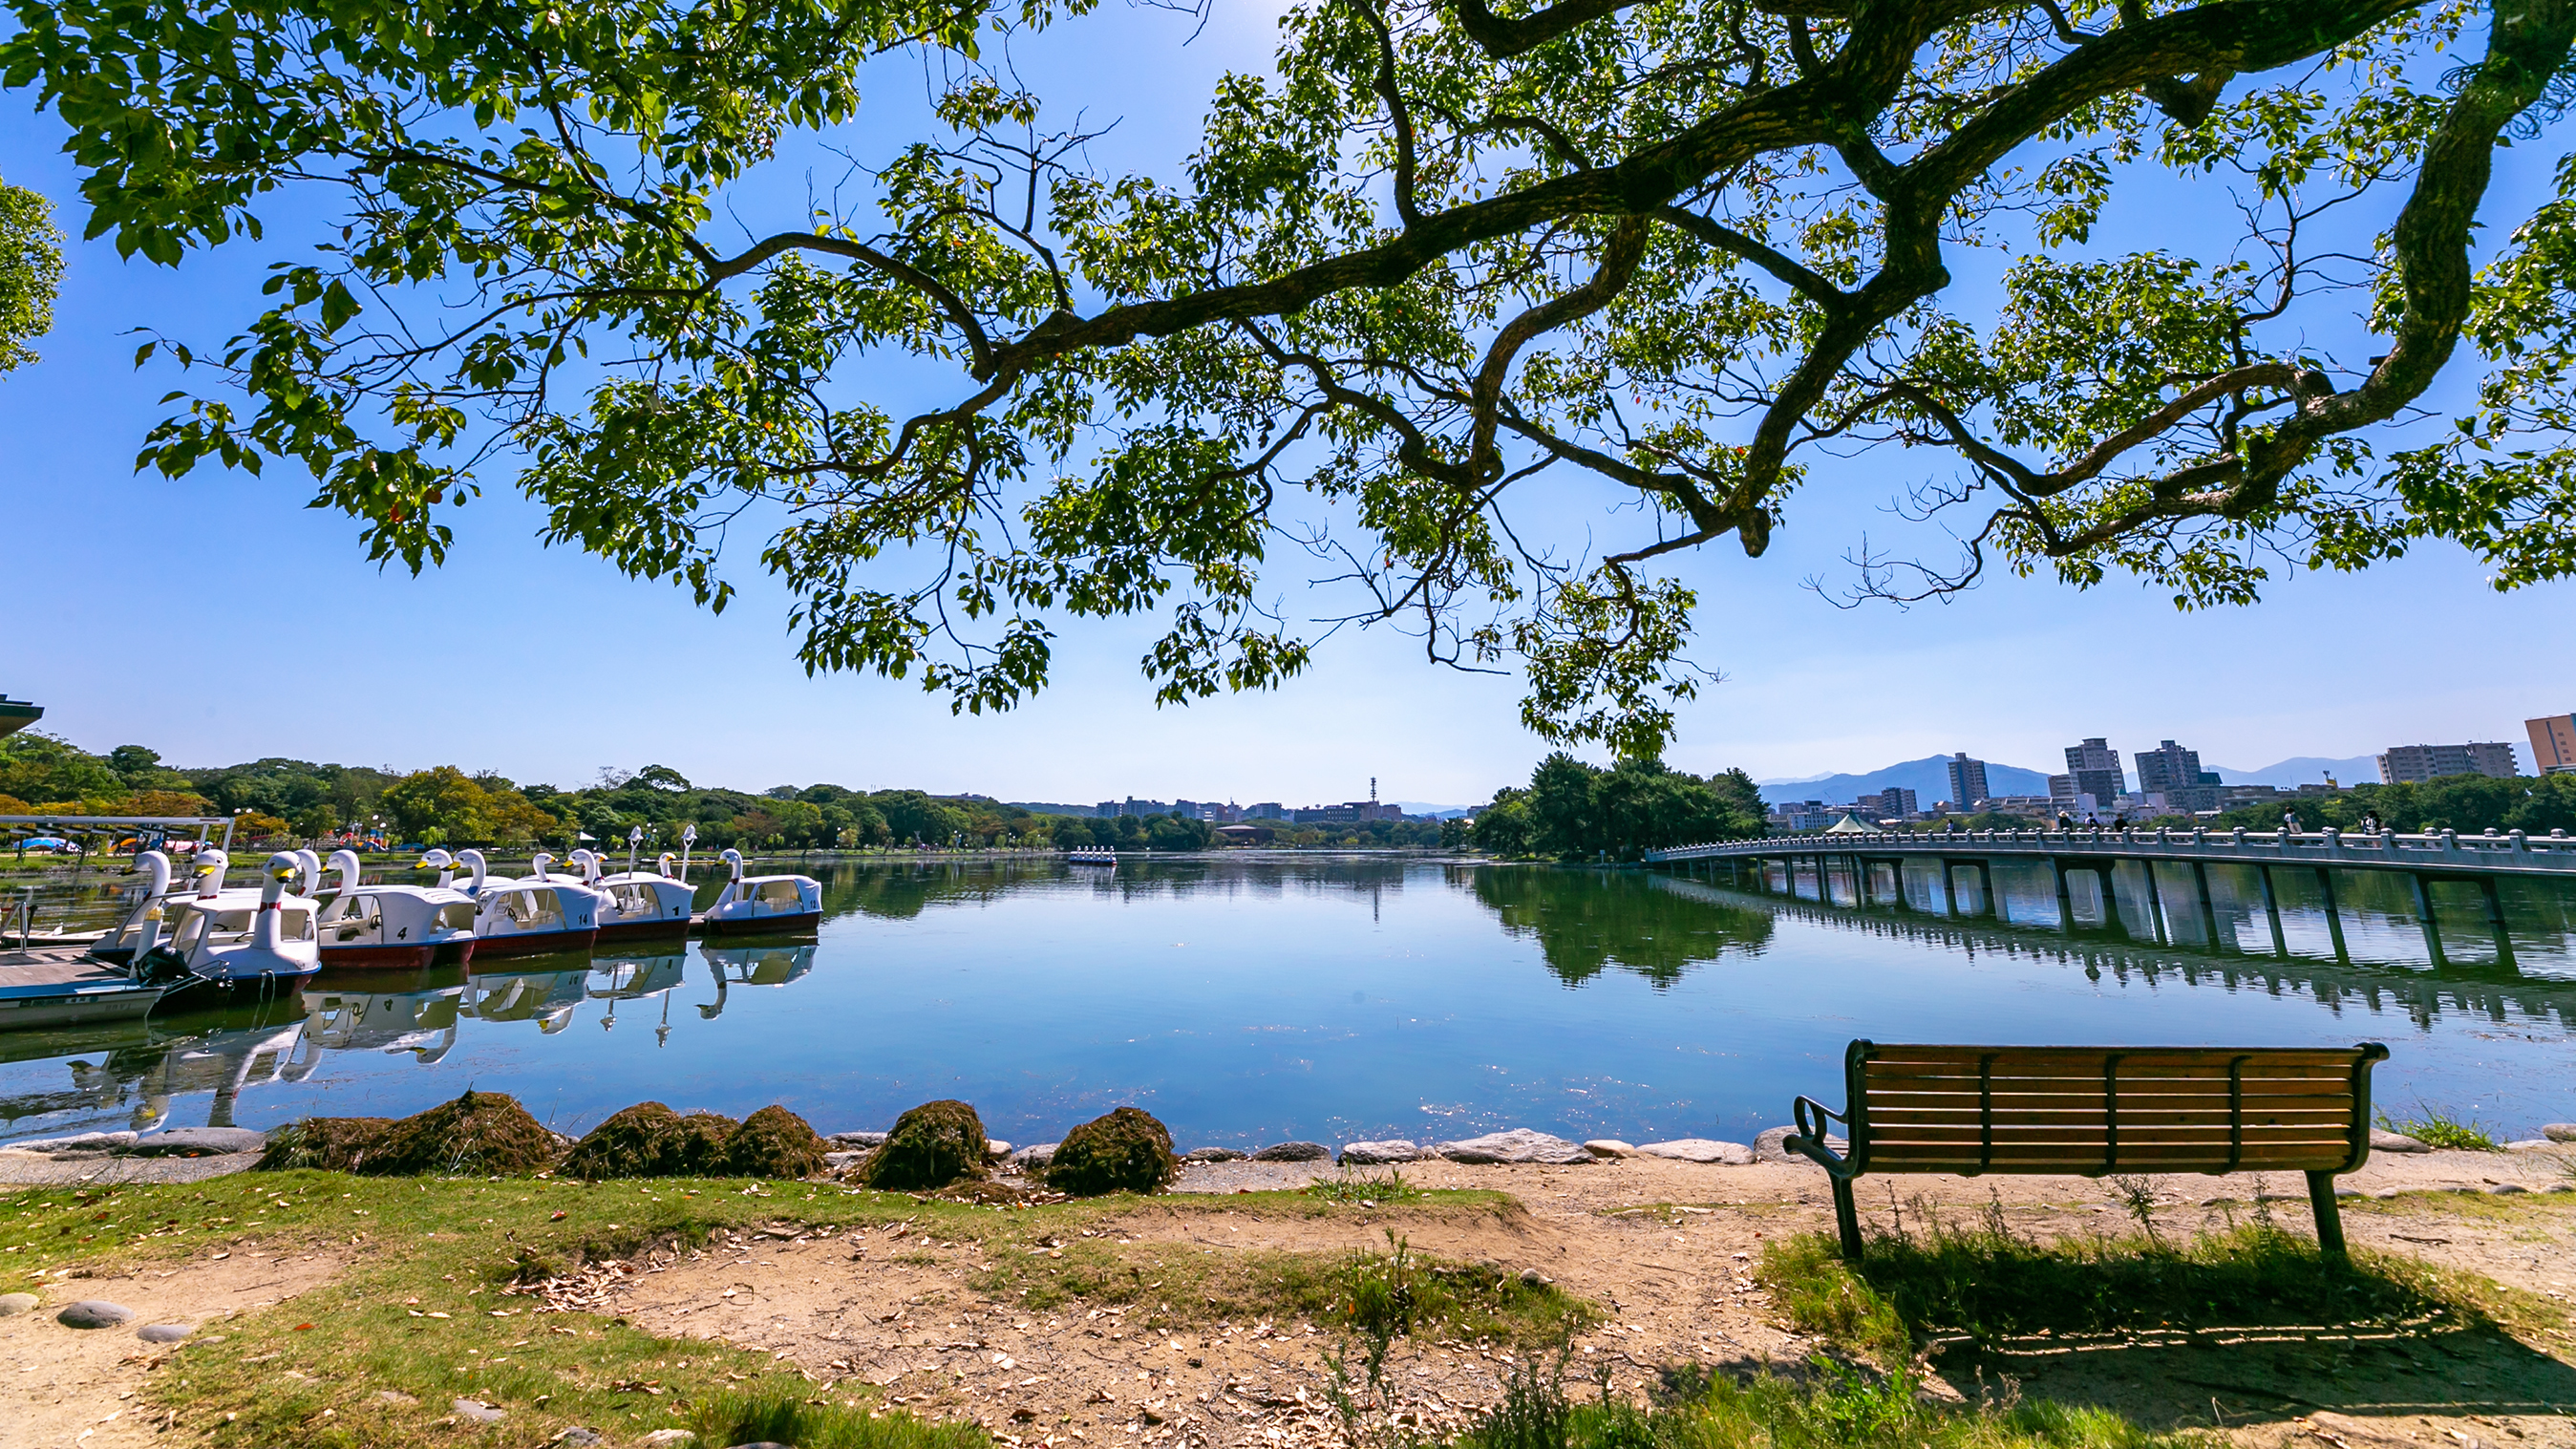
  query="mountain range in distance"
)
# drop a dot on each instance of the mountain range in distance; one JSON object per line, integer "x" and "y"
{"x": 1929, "y": 779}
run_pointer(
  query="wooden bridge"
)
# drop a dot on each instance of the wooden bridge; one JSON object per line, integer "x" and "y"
{"x": 2424, "y": 860}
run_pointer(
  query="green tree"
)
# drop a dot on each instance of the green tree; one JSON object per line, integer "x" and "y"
{"x": 1503, "y": 828}
{"x": 48, "y": 769}
{"x": 31, "y": 268}
{"x": 443, "y": 799}
{"x": 1441, "y": 259}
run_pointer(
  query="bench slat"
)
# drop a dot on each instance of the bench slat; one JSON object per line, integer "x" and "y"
{"x": 2075, "y": 1134}
{"x": 2307, "y": 1109}
{"x": 2130, "y": 1070}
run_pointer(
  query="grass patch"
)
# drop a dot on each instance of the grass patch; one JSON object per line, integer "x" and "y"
{"x": 1363, "y": 1189}
{"x": 787, "y": 1418}
{"x": 1989, "y": 1284}
{"x": 2439, "y": 1130}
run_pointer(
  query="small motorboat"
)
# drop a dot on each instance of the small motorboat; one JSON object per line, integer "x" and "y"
{"x": 768, "y": 904}
{"x": 521, "y": 917}
{"x": 393, "y": 925}
{"x": 236, "y": 937}
{"x": 637, "y": 905}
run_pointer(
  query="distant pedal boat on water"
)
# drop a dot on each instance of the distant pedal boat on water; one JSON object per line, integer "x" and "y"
{"x": 638, "y": 905}
{"x": 768, "y": 904}
{"x": 532, "y": 917}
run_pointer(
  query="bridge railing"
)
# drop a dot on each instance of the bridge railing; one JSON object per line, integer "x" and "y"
{"x": 2493, "y": 850}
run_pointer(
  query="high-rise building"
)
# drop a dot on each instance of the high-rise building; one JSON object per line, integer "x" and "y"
{"x": 1889, "y": 804}
{"x": 2553, "y": 743}
{"x": 2094, "y": 769}
{"x": 1266, "y": 810}
{"x": 2413, "y": 764}
{"x": 1967, "y": 781}
{"x": 2175, "y": 773}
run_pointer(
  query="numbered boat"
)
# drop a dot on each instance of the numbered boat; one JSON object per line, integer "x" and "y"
{"x": 520, "y": 917}
{"x": 638, "y": 905}
{"x": 232, "y": 937}
{"x": 394, "y": 925}
{"x": 765, "y": 904}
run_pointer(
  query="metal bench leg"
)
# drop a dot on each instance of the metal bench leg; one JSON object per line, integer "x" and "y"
{"x": 1847, "y": 1218}
{"x": 2321, "y": 1201}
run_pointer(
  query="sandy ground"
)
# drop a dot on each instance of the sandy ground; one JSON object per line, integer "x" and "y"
{"x": 1665, "y": 1248}
{"x": 78, "y": 1388}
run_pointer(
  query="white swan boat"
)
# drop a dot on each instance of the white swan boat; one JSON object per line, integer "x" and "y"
{"x": 390, "y": 925}
{"x": 239, "y": 936}
{"x": 520, "y": 917}
{"x": 764, "y": 903}
{"x": 638, "y": 905}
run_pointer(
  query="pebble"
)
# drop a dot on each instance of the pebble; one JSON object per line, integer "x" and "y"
{"x": 857, "y": 1139}
{"x": 2507, "y": 1189}
{"x": 1293, "y": 1152}
{"x": 1701, "y": 1149}
{"x": 2531, "y": 1144}
{"x": 163, "y": 1332}
{"x": 198, "y": 1142}
{"x": 580, "y": 1437}
{"x": 2560, "y": 1187}
{"x": 2383, "y": 1140}
{"x": 479, "y": 1411}
{"x": 1518, "y": 1145}
{"x": 996, "y": 1149}
{"x": 94, "y": 1313}
{"x": 843, "y": 1159}
{"x": 13, "y": 1304}
{"x": 394, "y": 1396}
{"x": 1381, "y": 1154}
{"x": 79, "y": 1142}
{"x": 1036, "y": 1155}
{"x": 1609, "y": 1147}
{"x": 1211, "y": 1154}
{"x": 2560, "y": 1131}
{"x": 661, "y": 1437}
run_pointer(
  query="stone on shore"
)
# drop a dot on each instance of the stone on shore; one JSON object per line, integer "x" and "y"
{"x": 1702, "y": 1150}
{"x": 2531, "y": 1144}
{"x": 1768, "y": 1147}
{"x": 1519, "y": 1145}
{"x": 2560, "y": 1131}
{"x": 579, "y": 1437}
{"x": 479, "y": 1411}
{"x": 997, "y": 1150}
{"x": 78, "y": 1142}
{"x": 198, "y": 1142}
{"x": 839, "y": 1160}
{"x": 845, "y": 1141}
{"x": 94, "y": 1313}
{"x": 2383, "y": 1140}
{"x": 1036, "y": 1157}
{"x": 661, "y": 1437}
{"x": 1211, "y": 1154}
{"x": 163, "y": 1332}
{"x": 13, "y": 1304}
{"x": 1293, "y": 1152}
{"x": 1610, "y": 1147}
{"x": 1381, "y": 1154}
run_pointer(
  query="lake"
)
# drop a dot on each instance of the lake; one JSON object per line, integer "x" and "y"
{"x": 1255, "y": 998}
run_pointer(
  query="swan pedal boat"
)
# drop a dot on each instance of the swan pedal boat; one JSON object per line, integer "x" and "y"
{"x": 389, "y": 925}
{"x": 535, "y": 916}
{"x": 232, "y": 936}
{"x": 763, "y": 904}
{"x": 638, "y": 905}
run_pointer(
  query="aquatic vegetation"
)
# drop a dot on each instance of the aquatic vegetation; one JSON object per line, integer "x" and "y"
{"x": 773, "y": 1142}
{"x": 650, "y": 1140}
{"x": 932, "y": 1145}
{"x": 1124, "y": 1151}
{"x": 480, "y": 1134}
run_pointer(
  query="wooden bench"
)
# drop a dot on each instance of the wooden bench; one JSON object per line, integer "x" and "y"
{"x": 2087, "y": 1111}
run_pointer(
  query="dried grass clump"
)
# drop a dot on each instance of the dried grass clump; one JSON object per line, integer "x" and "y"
{"x": 325, "y": 1144}
{"x": 480, "y": 1134}
{"x": 650, "y": 1140}
{"x": 931, "y": 1146}
{"x": 774, "y": 1142}
{"x": 1126, "y": 1151}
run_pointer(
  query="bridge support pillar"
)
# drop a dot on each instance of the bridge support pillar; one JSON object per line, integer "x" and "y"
{"x": 2495, "y": 920}
{"x": 2208, "y": 907}
{"x": 2272, "y": 912}
{"x": 1949, "y": 890}
{"x": 2334, "y": 913}
{"x": 2423, "y": 893}
{"x": 2155, "y": 903}
{"x": 2065, "y": 898}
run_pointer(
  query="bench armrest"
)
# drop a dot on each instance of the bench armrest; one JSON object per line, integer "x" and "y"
{"x": 1809, "y": 1140}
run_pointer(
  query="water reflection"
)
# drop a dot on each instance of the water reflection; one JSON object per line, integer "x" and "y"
{"x": 1586, "y": 922}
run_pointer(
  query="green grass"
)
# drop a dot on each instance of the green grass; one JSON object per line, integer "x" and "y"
{"x": 1989, "y": 1284}
{"x": 2439, "y": 1130}
{"x": 1363, "y": 1189}
{"x": 785, "y": 1417}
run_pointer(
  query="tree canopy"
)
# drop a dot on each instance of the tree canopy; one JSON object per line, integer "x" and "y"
{"x": 31, "y": 268}
{"x": 1684, "y": 257}
{"x": 1576, "y": 811}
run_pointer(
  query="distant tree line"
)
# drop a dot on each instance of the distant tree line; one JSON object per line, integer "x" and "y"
{"x": 2469, "y": 804}
{"x": 1574, "y": 811}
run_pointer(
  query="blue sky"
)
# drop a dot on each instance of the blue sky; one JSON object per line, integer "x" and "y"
{"x": 216, "y": 619}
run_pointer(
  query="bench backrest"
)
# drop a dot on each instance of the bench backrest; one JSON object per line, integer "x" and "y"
{"x": 2091, "y": 1110}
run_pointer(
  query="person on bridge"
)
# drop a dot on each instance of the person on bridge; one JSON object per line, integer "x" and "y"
{"x": 2065, "y": 821}
{"x": 2370, "y": 822}
{"x": 2289, "y": 820}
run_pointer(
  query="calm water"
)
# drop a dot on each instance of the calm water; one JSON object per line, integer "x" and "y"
{"x": 1251, "y": 1000}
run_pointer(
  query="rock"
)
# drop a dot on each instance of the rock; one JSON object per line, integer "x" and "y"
{"x": 1381, "y": 1154}
{"x": 2560, "y": 1187}
{"x": 2530, "y": 1144}
{"x": 2560, "y": 1131}
{"x": 163, "y": 1332}
{"x": 394, "y": 1396}
{"x": 479, "y": 1411}
{"x": 94, "y": 1313}
{"x": 1211, "y": 1154}
{"x": 79, "y": 1142}
{"x": 1701, "y": 1149}
{"x": 1034, "y": 1157}
{"x": 667, "y": 1436}
{"x": 1294, "y": 1152}
{"x": 2383, "y": 1140}
{"x": 198, "y": 1142}
{"x": 13, "y": 1304}
{"x": 843, "y": 1159}
{"x": 579, "y": 1437}
{"x": 1767, "y": 1147}
{"x": 2507, "y": 1189}
{"x": 1609, "y": 1147}
{"x": 1519, "y": 1145}
{"x": 860, "y": 1141}
{"x": 995, "y": 1149}
{"x": 1533, "y": 1278}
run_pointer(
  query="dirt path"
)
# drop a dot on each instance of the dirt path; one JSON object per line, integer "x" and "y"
{"x": 78, "y": 1388}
